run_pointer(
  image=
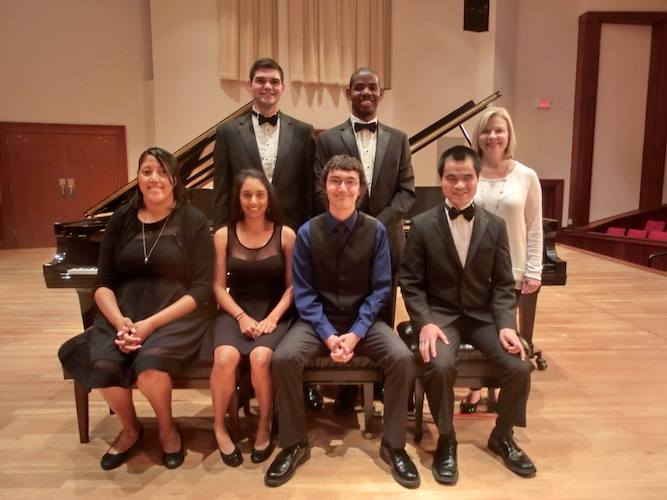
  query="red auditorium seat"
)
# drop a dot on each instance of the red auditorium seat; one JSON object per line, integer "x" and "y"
{"x": 654, "y": 225}
{"x": 658, "y": 235}
{"x": 616, "y": 231}
{"x": 637, "y": 233}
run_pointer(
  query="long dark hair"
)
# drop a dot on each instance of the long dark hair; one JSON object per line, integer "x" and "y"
{"x": 273, "y": 211}
{"x": 169, "y": 162}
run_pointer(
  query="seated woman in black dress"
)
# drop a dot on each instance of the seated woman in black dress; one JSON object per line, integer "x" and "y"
{"x": 253, "y": 259}
{"x": 154, "y": 292}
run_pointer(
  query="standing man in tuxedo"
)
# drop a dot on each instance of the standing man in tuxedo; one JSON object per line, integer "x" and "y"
{"x": 341, "y": 277}
{"x": 268, "y": 140}
{"x": 456, "y": 280}
{"x": 385, "y": 155}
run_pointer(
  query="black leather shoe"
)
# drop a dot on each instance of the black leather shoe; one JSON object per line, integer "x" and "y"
{"x": 444, "y": 462}
{"x": 403, "y": 469}
{"x": 468, "y": 408}
{"x": 514, "y": 457}
{"x": 312, "y": 398}
{"x": 283, "y": 467}
{"x": 174, "y": 460}
{"x": 259, "y": 456}
{"x": 110, "y": 461}
{"x": 346, "y": 399}
{"x": 234, "y": 459}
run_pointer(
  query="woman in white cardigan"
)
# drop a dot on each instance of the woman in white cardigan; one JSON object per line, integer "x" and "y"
{"x": 512, "y": 191}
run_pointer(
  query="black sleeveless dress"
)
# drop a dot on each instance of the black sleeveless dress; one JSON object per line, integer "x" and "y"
{"x": 256, "y": 280}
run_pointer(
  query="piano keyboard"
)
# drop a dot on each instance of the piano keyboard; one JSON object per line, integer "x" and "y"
{"x": 82, "y": 271}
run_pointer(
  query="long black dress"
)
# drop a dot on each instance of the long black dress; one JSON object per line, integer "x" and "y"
{"x": 180, "y": 263}
{"x": 256, "y": 282}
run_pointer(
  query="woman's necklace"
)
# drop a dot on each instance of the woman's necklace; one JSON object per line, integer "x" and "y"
{"x": 502, "y": 189}
{"x": 143, "y": 239}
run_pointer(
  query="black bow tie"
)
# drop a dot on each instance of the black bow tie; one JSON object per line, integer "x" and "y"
{"x": 371, "y": 127}
{"x": 468, "y": 213}
{"x": 273, "y": 119}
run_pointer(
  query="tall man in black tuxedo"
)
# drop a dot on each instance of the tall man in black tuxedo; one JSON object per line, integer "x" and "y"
{"x": 385, "y": 155}
{"x": 265, "y": 139}
{"x": 341, "y": 276}
{"x": 456, "y": 280}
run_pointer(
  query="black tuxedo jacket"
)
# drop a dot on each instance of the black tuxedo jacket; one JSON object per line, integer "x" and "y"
{"x": 236, "y": 149}
{"x": 393, "y": 186}
{"x": 438, "y": 289}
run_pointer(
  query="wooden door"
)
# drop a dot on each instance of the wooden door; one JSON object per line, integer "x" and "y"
{"x": 52, "y": 173}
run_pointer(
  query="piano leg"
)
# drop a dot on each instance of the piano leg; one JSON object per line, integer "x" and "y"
{"x": 527, "y": 309}
{"x": 81, "y": 401}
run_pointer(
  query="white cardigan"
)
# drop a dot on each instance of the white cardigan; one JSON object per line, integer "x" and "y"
{"x": 517, "y": 198}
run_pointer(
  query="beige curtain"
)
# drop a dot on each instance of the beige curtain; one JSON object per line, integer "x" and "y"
{"x": 329, "y": 39}
{"x": 248, "y": 31}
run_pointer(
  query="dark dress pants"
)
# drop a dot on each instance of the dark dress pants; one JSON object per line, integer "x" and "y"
{"x": 301, "y": 345}
{"x": 441, "y": 372}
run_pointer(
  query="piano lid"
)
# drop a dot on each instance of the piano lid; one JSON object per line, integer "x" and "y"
{"x": 454, "y": 119}
{"x": 196, "y": 166}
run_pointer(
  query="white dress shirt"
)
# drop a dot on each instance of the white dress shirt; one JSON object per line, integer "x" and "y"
{"x": 367, "y": 145}
{"x": 266, "y": 136}
{"x": 461, "y": 232}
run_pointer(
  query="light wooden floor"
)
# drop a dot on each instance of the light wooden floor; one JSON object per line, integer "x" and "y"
{"x": 597, "y": 415}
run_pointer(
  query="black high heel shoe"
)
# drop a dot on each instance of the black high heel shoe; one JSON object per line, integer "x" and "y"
{"x": 110, "y": 461}
{"x": 259, "y": 456}
{"x": 469, "y": 408}
{"x": 234, "y": 459}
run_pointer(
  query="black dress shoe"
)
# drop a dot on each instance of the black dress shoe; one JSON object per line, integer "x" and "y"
{"x": 444, "y": 462}
{"x": 110, "y": 461}
{"x": 468, "y": 408}
{"x": 234, "y": 459}
{"x": 403, "y": 469}
{"x": 346, "y": 399}
{"x": 283, "y": 467}
{"x": 259, "y": 456}
{"x": 312, "y": 398}
{"x": 514, "y": 457}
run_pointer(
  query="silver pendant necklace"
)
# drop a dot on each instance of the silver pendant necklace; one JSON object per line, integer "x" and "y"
{"x": 500, "y": 194}
{"x": 143, "y": 239}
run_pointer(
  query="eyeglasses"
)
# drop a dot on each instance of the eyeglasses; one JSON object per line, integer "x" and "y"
{"x": 349, "y": 183}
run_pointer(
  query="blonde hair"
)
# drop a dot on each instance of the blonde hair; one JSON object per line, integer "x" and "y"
{"x": 484, "y": 118}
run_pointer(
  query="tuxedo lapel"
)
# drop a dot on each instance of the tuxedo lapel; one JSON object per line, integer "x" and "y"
{"x": 347, "y": 135}
{"x": 284, "y": 142}
{"x": 249, "y": 141}
{"x": 380, "y": 151}
{"x": 478, "y": 230}
{"x": 442, "y": 228}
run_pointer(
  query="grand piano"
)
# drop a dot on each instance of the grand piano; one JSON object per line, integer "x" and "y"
{"x": 78, "y": 242}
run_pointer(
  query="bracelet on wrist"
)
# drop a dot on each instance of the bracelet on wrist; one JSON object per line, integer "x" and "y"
{"x": 239, "y": 316}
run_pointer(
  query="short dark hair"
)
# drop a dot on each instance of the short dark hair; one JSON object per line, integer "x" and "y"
{"x": 169, "y": 162}
{"x": 459, "y": 153}
{"x": 343, "y": 162}
{"x": 266, "y": 63}
{"x": 273, "y": 210}
{"x": 365, "y": 69}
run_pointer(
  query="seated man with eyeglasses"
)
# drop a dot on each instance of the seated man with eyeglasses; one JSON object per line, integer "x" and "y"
{"x": 341, "y": 274}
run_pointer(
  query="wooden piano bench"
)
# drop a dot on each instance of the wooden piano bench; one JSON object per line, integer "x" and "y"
{"x": 323, "y": 370}
{"x": 474, "y": 371}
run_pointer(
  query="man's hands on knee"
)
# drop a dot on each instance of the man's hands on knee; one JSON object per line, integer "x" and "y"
{"x": 342, "y": 347}
{"x": 510, "y": 341}
{"x": 428, "y": 336}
